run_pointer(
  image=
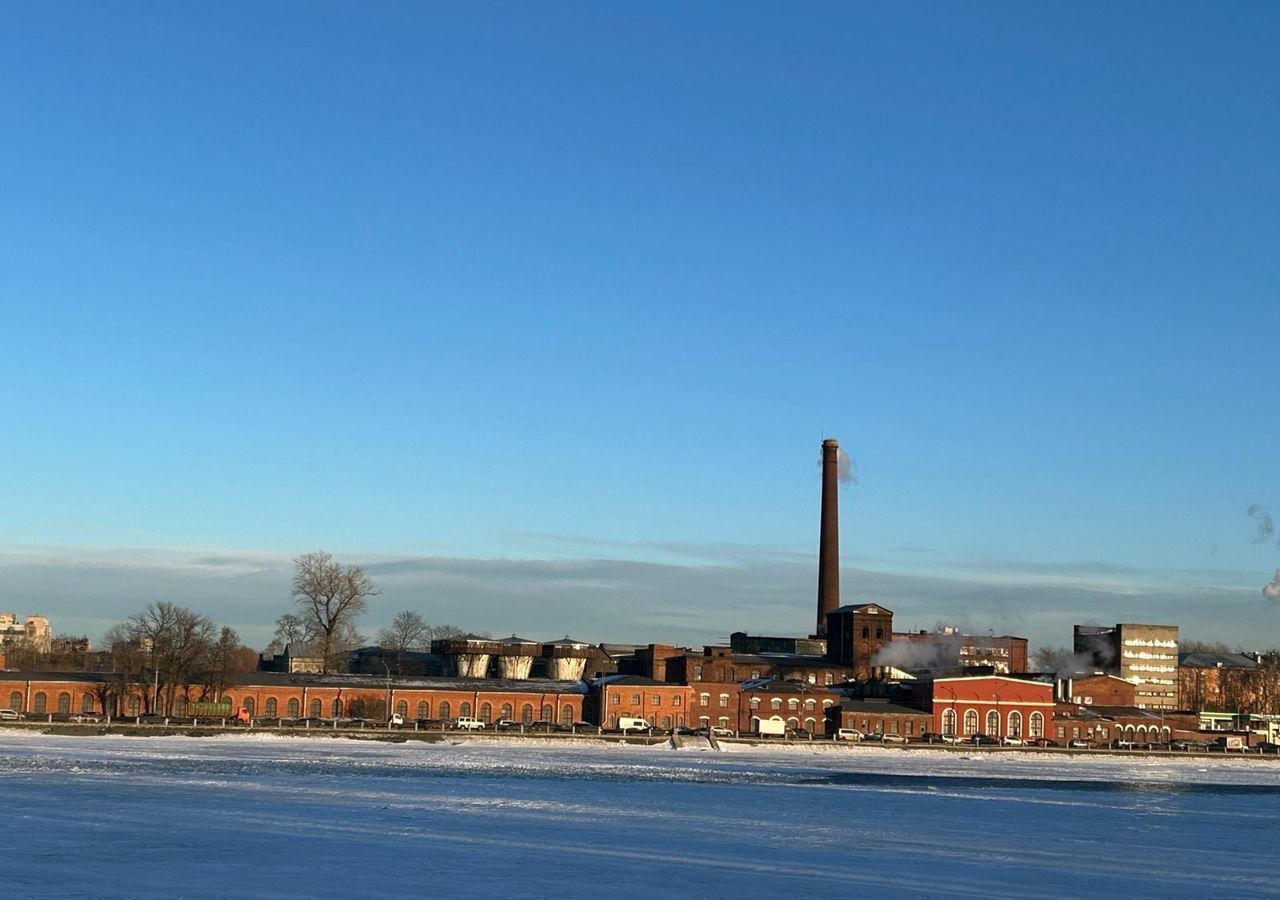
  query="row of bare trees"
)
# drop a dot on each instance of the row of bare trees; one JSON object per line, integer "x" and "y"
{"x": 168, "y": 649}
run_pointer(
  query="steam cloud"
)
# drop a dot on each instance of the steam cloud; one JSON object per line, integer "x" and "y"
{"x": 844, "y": 468}
{"x": 1262, "y": 518}
{"x": 1272, "y": 590}
{"x": 939, "y": 651}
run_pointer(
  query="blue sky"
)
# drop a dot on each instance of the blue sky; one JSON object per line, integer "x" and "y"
{"x": 500, "y": 285}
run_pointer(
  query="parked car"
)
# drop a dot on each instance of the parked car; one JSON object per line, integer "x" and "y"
{"x": 931, "y": 737}
{"x": 150, "y": 719}
{"x": 894, "y": 739}
{"x": 314, "y": 722}
{"x": 873, "y": 736}
{"x": 543, "y": 727}
{"x": 983, "y": 740}
{"x": 467, "y": 723}
{"x": 1268, "y": 747}
{"x": 9, "y": 715}
{"x": 437, "y": 724}
{"x": 1010, "y": 741}
{"x": 721, "y": 731}
{"x": 505, "y": 724}
{"x": 1079, "y": 744}
{"x": 801, "y": 733}
{"x": 83, "y": 718}
{"x": 1043, "y": 742}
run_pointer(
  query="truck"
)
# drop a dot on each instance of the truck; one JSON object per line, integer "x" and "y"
{"x": 1229, "y": 742}
{"x": 630, "y": 723}
{"x": 773, "y": 726}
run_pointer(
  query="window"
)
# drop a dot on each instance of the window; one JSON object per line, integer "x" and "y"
{"x": 657, "y": 700}
{"x": 86, "y": 702}
{"x": 755, "y": 673}
{"x": 811, "y": 678}
{"x": 970, "y": 721}
{"x": 566, "y": 715}
{"x": 827, "y": 678}
{"x": 793, "y": 703}
{"x": 335, "y": 708}
{"x": 724, "y": 701}
{"x": 775, "y": 703}
{"x": 879, "y": 633}
{"x": 249, "y": 705}
{"x": 294, "y": 707}
{"x": 704, "y": 699}
{"x": 464, "y": 709}
{"x": 666, "y": 721}
{"x": 993, "y": 723}
{"x": 1075, "y": 731}
{"x": 64, "y": 702}
{"x": 893, "y": 726}
{"x": 866, "y": 633}
{"x": 826, "y": 703}
{"x": 505, "y": 712}
{"x": 635, "y": 699}
{"x": 755, "y": 702}
{"x": 526, "y": 713}
{"x": 402, "y": 707}
{"x": 1037, "y": 724}
{"x": 1015, "y": 724}
{"x": 675, "y": 701}
{"x": 697, "y": 673}
{"x": 135, "y": 703}
{"x": 486, "y": 712}
{"x": 615, "y": 699}
{"x": 949, "y": 722}
{"x": 548, "y": 714}
{"x": 880, "y": 725}
{"x": 423, "y": 710}
{"x": 808, "y": 704}
{"x": 1062, "y": 731}
{"x": 271, "y": 706}
{"x": 445, "y": 710}
{"x": 15, "y": 701}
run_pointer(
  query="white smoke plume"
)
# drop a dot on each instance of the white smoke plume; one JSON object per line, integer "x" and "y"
{"x": 938, "y": 651}
{"x": 1262, "y": 518}
{"x": 1272, "y": 590}
{"x": 844, "y": 467}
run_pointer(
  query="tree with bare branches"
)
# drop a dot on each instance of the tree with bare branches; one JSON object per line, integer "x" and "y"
{"x": 408, "y": 632}
{"x": 330, "y": 597}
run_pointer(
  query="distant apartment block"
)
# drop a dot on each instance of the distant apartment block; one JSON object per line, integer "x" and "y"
{"x": 33, "y": 633}
{"x": 1146, "y": 655}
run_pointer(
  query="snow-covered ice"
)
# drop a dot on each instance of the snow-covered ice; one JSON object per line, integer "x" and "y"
{"x": 263, "y": 816}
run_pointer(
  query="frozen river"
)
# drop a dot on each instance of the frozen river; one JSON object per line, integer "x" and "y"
{"x": 261, "y": 816}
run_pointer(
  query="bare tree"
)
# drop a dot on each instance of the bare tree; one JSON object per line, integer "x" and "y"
{"x": 408, "y": 632}
{"x": 444, "y": 632}
{"x": 177, "y": 641}
{"x": 227, "y": 658}
{"x": 330, "y": 597}
{"x": 290, "y": 629}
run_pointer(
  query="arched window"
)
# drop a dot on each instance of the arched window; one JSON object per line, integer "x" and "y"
{"x": 970, "y": 721}
{"x": 808, "y": 704}
{"x": 64, "y": 702}
{"x": 135, "y": 704}
{"x": 793, "y": 703}
{"x": 1037, "y": 724}
{"x": 486, "y": 712}
{"x": 697, "y": 673}
{"x": 993, "y": 723}
{"x": 335, "y": 708}
{"x": 826, "y": 703}
{"x": 444, "y": 709}
{"x": 808, "y": 723}
{"x": 15, "y": 701}
{"x": 505, "y": 712}
{"x": 248, "y": 705}
{"x": 1015, "y": 724}
{"x": 464, "y": 709}
{"x": 317, "y": 708}
{"x": 86, "y": 702}
{"x": 879, "y": 633}
{"x": 271, "y": 707}
{"x": 666, "y": 722}
{"x": 866, "y": 633}
{"x": 755, "y": 702}
{"x": 526, "y": 713}
{"x": 548, "y": 714}
{"x": 1165, "y": 734}
{"x": 424, "y": 711}
{"x": 295, "y": 706}
{"x": 566, "y": 714}
{"x": 724, "y": 701}
{"x": 179, "y": 705}
{"x": 793, "y": 722}
{"x": 402, "y": 707}
{"x": 38, "y": 702}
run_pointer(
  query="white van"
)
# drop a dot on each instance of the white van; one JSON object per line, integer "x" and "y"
{"x": 466, "y": 723}
{"x": 627, "y": 723}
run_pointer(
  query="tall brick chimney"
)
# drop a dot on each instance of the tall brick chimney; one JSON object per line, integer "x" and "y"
{"x": 829, "y": 536}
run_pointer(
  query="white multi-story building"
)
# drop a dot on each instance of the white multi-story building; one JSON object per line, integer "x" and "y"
{"x": 33, "y": 633}
{"x": 1146, "y": 655}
